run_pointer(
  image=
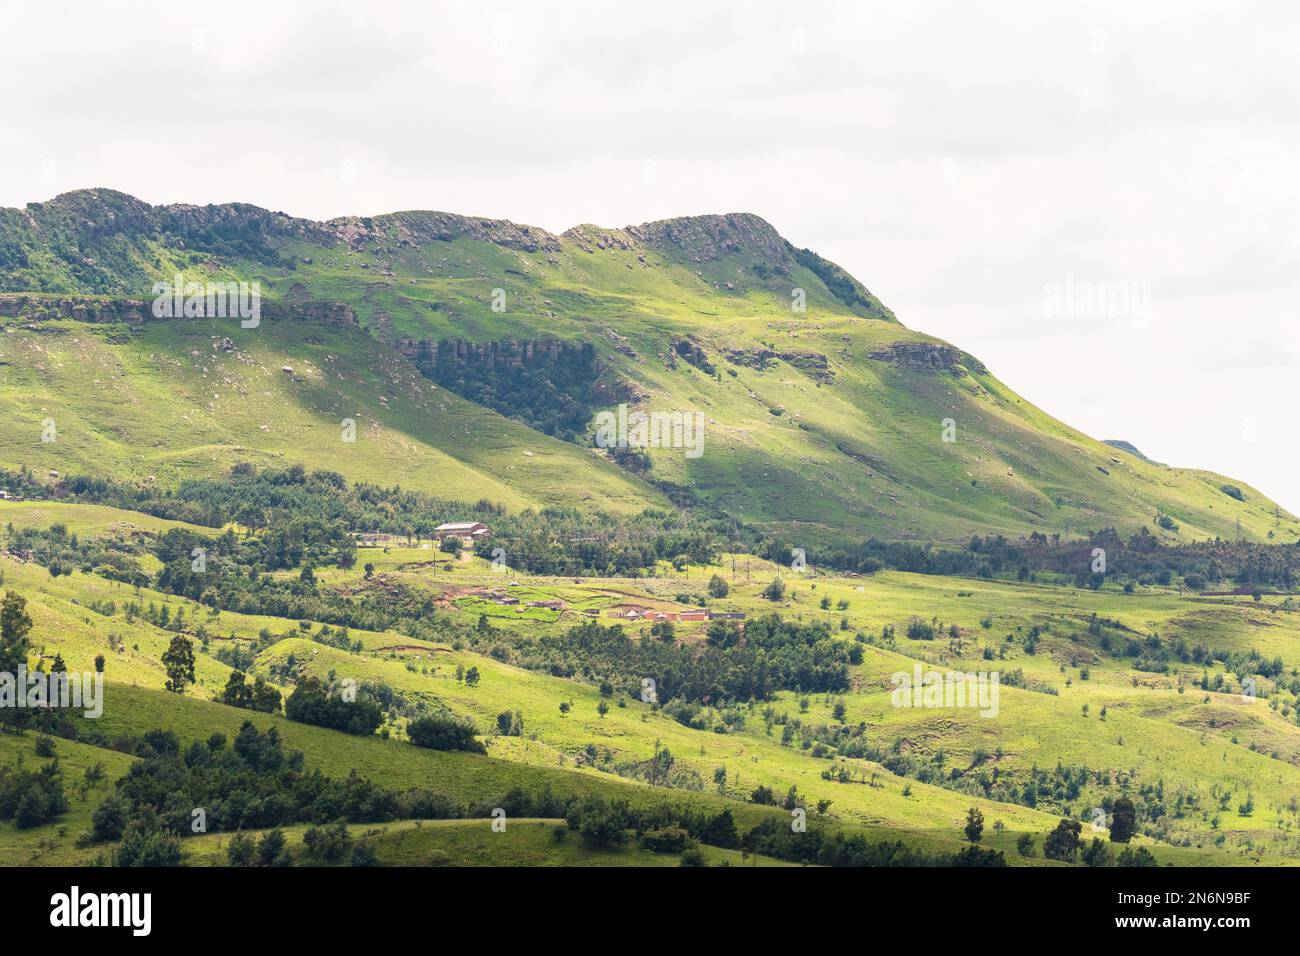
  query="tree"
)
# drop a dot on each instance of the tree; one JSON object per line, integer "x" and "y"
{"x": 1097, "y": 853}
{"x": 693, "y": 857}
{"x": 363, "y": 854}
{"x": 271, "y": 849}
{"x": 718, "y": 586}
{"x": 240, "y": 850}
{"x": 311, "y": 703}
{"x": 720, "y": 830}
{"x": 1136, "y": 856}
{"x": 15, "y": 626}
{"x": 1123, "y": 820}
{"x": 266, "y": 698}
{"x": 1063, "y": 842}
{"x": 775, "y": 591}
{"x": 178, "y": 660}
{"x": 510, "y": 724}
{"x": 110, "y": 819}
{"x": 144, "y": 844}
{"x": 329, "y": 843}
{"x": 237, "y": 692}
{"x": 600, "y": 824}
{"x": 974, "y": 824}
{"x": 602, "y": 708}
{"x": 444, "y": 732}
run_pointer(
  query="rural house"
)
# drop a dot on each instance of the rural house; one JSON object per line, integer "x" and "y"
{"x": 467, "y": 531}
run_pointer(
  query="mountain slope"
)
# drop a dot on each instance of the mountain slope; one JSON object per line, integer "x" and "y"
{"x": 175, "y": 400}
{"x": 828, "y": 421}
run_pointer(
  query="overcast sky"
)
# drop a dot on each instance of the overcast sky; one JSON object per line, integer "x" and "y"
{"x": 984, "y": 171}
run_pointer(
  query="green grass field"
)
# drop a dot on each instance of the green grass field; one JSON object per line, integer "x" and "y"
{"x": 1205, "y": 751}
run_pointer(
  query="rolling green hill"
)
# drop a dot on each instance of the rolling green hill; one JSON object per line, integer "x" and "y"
{"x": 828, "y": 422}
{"x": 1080, "y": 723}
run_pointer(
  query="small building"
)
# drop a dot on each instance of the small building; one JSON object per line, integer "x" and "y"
{"x": 726, "y": 615}
{"x": 693, "y": 614}
{"x": 631, "y": 612}
{"x": 467, "y": 531}
{"x": 549, "y": 605}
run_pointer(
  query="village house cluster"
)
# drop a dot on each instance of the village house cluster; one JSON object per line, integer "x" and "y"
{"x": 636, "y": 612}
{"x": 497, "y": 596}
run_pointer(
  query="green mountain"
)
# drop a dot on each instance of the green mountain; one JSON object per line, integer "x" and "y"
{"x": 471, "y": 356}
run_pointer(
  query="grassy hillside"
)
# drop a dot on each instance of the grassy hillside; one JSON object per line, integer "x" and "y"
{"x": 177, "y": 400}
{"x": 829, "y": 422}
{"x": 1083, "y": 721}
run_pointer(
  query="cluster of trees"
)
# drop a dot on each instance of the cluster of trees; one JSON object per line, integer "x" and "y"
{"x": 820, "y": 846}
{"x": 1144, "y": 558}
{"x": 259, "y": 696}
{"x": 304, "y": 519}
{"x": 249, "y": 783}
{"x": 669, "y": 827}
{"x": 312, "y": 703}
{"x": 1141, "y": 558}
{"x": 777, "y": 655}
{"x": 15, "y": 631}
{"x": 269, "y": 498}
{"x": 115, "y": 555}
{"x": 254, "y": 783}
{"x": 32, "y": 797}
{"x": 445, "y": 732}
{"x": 555, "y": 394}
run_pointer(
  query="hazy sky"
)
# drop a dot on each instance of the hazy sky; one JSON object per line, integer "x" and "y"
{"x": 985, "y": 171}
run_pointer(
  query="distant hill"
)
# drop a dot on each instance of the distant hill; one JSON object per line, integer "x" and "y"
{"x": 472, "y": 354}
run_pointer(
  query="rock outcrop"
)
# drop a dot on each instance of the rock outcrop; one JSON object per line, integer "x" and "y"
{"x": 417, "y": 228}
{"x": 708, "y": 238}
{"x": 816, "y": 365}
{"x": 927, "y": 357}
{"x": 504, "y": 352}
